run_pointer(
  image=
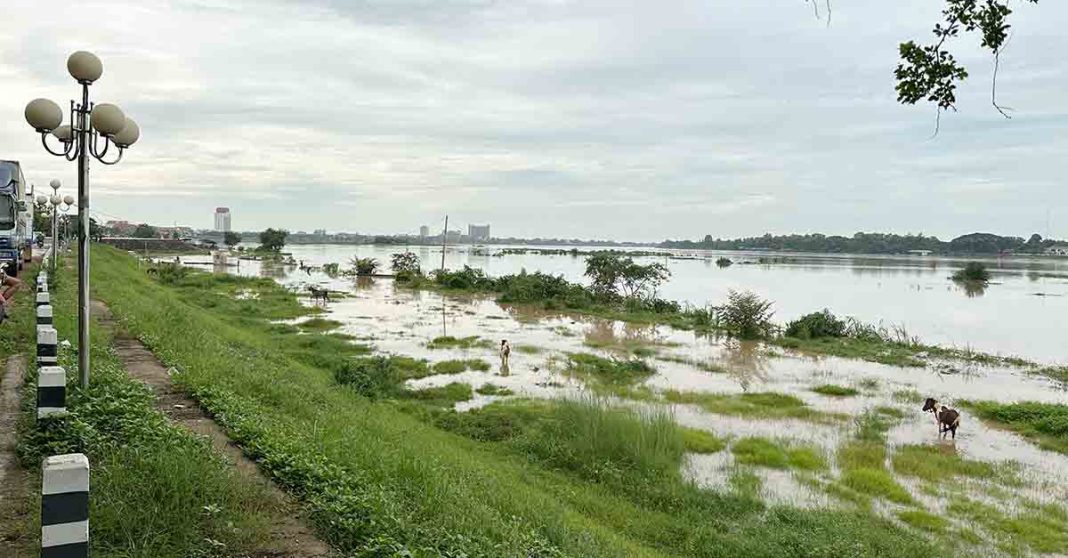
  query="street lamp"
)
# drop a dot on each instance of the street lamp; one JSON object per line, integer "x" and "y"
{"x": 93, "y": 130}
{"x": 68, "y": 201}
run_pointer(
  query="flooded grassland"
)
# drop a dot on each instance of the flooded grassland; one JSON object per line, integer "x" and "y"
{"x": 789, "y": 428}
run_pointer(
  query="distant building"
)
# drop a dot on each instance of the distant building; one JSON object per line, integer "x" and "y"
{"x": 1057, "y": 250}
{"x": 478, "y": 233}
{"x": 454, "y": 236}
{"x": 424, "y": 231}
{"x": 121, "y": 228}
{"x": 320, "y": 232}
{"x": 222, "y": 219}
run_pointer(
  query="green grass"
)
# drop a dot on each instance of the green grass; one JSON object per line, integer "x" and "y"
{"x": 910, "y": 396}
{"x": 877, "y": 483}
{"x": 880, "y": 351}
{"x": 777, "y": 455}
{"x": 492, "y": 389}
{"x": 835, "y": 390}
{"x": 1041, "y": 530}
{"x": 461, "y": 365}
{"x": 745, "y": 482}
{"x": 1046, "y": 424}
{"x": 923, "y": 520}
{"x": 157, "y": 490}
{"x": 450, "y": 342}
{"x": 608, "y": 371}
{"x": 756, "y": 405}
{"x": 443, "y": 396}
{"x": 384, "y": 477}
{"x": 933, "y": 463}
{"x": 318, "y": 324}
{"x": 702, "y": 441}
{"x": 528, "y": 349}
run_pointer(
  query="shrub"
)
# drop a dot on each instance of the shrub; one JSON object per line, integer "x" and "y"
{"x": 974, "y": 272}
{"x": 724, "y": 262}
{"x": 365, "y": 266}
{"x": 815, "y": 325}
{"x": 331, "y": 269}
{"x": 373, "y": 377}
{"x": 746, "y": 315}
{"x": 405, "y": 265}
{"x": 542, "y": 287}
{"x": 467, "y": 278}
{"x": 613, "y": 276}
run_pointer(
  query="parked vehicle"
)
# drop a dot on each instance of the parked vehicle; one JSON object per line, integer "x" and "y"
{"x": 16, "y": 219}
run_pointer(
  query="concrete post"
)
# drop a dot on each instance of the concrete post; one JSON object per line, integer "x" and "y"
{"x": 65, "y": 507}
{"x": 42, "y": 298}
{"x": 51, "y": 391}
{"x": 47, "y": 346}
{"x": 44, "y": 315}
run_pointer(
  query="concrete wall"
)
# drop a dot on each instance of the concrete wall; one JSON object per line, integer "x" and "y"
{"x": 150, "y": 244}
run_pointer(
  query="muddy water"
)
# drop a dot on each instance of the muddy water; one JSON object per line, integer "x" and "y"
{"x": 401, "y": 321}
{"x": 1023, "y": 312}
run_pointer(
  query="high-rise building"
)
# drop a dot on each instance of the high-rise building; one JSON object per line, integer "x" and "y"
{"x": 222, "y": 219}
{"x": 424, "y": 231}
{"x": 478, "y": 233}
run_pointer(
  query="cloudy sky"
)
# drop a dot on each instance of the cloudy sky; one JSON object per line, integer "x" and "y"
{"x": 609, "y": 119}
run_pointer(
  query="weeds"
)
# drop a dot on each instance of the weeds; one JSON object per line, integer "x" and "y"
{"x": 777, "y": 455}
{"x": 835, "y": 390}
{"x": 757, "y": 405}
{"x": 1044, "y": 423}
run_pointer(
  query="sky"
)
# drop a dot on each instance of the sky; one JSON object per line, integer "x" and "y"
{"x": 547, "y": 118}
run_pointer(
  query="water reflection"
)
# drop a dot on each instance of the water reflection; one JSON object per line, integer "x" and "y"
{"x": 972, "y": 289}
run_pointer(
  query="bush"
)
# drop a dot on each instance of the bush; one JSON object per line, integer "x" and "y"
{"x": 974, "y": 272}
{"x": 541, "y": 287}
{"x": 373, "y": 377}
{"x": 724, "y": 262}
{"x": 365, "y": 266}
{"x": 746, "y": 315}
{"x": 405, "y": 265}
{"x": 815, "y": 325}
{"x": 468, "y": 278}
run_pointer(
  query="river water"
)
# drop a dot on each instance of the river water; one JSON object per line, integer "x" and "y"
{"x": 1023, "y": 312}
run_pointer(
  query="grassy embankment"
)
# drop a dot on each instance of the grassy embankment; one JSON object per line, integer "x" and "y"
{"x": 383, "y": 473}
{"x": 157, "y": 490}
{"x": 876, "y": 344}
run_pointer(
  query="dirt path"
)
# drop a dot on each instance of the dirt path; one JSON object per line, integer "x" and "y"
{"x": 17, "y": 502}
{"x": 290, "y": 535}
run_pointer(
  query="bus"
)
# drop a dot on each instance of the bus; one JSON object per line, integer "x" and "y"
{"x": 16, "y": 219}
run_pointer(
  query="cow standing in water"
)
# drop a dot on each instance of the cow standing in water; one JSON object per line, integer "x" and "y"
{"x": 947, "y": 419}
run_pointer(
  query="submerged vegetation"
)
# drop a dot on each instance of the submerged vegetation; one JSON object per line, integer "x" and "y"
{"x": 973, "y": 272}
{"x": 1044, "y": 423}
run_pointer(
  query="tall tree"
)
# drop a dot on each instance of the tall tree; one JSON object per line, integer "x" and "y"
{"x": 231, "y": 239}
{"x": 273, "y": 239}
{"x": 144, "y": 231}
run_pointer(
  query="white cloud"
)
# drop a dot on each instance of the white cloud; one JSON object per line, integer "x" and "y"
{"x": 547, "y": 118}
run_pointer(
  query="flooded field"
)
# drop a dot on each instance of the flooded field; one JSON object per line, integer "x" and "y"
{"x": 1023, "y": 312}
{"x": 695, "y": 374}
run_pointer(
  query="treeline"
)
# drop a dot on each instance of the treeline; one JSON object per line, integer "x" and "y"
{"x": 874, "y": 243}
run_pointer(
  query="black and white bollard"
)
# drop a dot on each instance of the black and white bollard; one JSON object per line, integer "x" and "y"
{"x": 51, "y": 391}
{"x": 42, "y": 298}
{"x": 65, "y": 507}
{"x": 42, "y": 284}
{"x": 47, "y": 346}
{"x": 44, "y": 315}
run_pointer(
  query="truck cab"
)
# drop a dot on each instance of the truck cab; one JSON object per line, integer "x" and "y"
{"x": 16, "y": 218}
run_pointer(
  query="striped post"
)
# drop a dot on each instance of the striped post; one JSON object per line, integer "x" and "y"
{"x": 44, "y": 315}
{"x": 65, "y": 507}
{"x": 51, "y": 391}
{"x": 47, "y": 350}
{"x": 42, "y": 298}
{"x": 42, "y": 284}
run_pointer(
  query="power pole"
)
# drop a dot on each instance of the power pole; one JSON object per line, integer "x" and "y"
{"x": 444, "y": 238}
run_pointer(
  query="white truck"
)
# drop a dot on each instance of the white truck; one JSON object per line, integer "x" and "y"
{"x": 16, "y": 219}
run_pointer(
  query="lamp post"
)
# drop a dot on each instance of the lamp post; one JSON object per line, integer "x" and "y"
{"x": 68, "y": 201}
{"x": 93, "y": 130}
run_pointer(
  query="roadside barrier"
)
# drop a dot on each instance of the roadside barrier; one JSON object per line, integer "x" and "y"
{"x": 44, "y": 315}
{"x": 43, "y": 298}
{"x": 51, "y": 391}
{"x": 47, "y": 346}
{"x": 65, "y": 506}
